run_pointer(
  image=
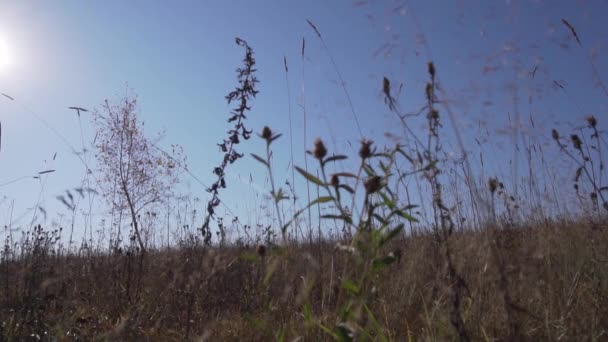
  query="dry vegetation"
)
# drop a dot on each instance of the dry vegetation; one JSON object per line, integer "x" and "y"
{"x": 550, "y": 285}
{"x": 503, "y": 277}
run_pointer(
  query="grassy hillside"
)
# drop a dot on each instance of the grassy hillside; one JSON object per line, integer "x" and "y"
{"x": 470, "y": 260}
{"x": 545, "y": 281}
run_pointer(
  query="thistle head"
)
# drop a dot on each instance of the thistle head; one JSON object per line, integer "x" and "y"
{"x": 266, "y": 133}
{"x": 373, "y": 184}
{"x": 576, "y": 141}
{"x": 334, "y": 181}
{"x": 366, "y": 149}
{"x": 431, "y": 68}
{"x": 592, "y": 121}
{"x": 492, "y": 184}
{"x": 261, "y": 250}
{"x": 319, "y": 151}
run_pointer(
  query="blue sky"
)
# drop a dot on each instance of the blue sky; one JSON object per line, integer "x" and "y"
{"x": 179, "y": 58}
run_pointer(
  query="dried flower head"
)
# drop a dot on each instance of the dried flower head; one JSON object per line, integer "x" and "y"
{"x": 373, "y": 184}
{"x": 492, "y": 184}
{"x": 555, "y": 134}
{"x": 576, "y": 141}
{"x": 591, "y": 121}
{"x": 266, "y": 133}
{"x": 334, "y": 181}
{"x": 319, "y": 151}
{"x": 431, "y": 69}
{"x": 433, "y": 115}
{"x": 366, "y": 149}
{"x": 261, "y": 250}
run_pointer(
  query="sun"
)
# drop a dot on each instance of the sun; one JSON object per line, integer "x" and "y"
{"x": 5, "y": 55}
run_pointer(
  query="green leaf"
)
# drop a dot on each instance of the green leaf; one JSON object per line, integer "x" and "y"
{"x": 322, "y": 199}
{"x": 310, "y": 177}
{"x": 391, "y": 234}
{"x": 380, "y": 263}
{"x": 382, "y": 154}
{"x": 307, "y": 312}
{"x": 405, "y": 216}
{"x": 387, "y": 201}
{"x": 369, "y": 170}
{"x": 260, "y": 159}
{"x": 410, "y": 159}
{"x": 275, "y": 137}
{"x": 350, "y": 287}
{"x": 377, "y": 327}
{"x": 334, "y": 158}
{"x": 249, "y": 256}
{"x": 383, "y": 167}
{"x": 329, "y": 332}
{"x": 346, "y": 174}
{"x": 337, "y": 217}
{"x": 280, "y": 196}
{"x": 380, "y": 219}
{"x": 281, "y": 334}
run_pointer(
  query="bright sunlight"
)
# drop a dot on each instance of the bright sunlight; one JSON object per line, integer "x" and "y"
{"x": 5, "y": 54}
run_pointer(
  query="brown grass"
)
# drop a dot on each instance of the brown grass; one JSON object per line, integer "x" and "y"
{"x": 557, "y": 278}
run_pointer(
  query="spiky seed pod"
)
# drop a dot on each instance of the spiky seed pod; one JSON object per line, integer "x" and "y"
{"x": 319, "y": 151}
{"x": 576, "y": 141}
{"x": 555, "y": 134}
{"x": 386, "y": 86}
{"x": 266, "y": 133}
{"x": 373, "y": 184}
{"x": 261, "y": 250}
{"x": 431, "y": 69}
{"x": 492, "y": 184}
{"x": 366, "y": 149}
{"x": 433, "y": 115}
{"x": 591, "y": 121}
{"x": 334, "y": 181}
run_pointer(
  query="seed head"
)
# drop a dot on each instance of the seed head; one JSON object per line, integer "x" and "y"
{"x": 266, "y": 133}
{"x": 591, "y": 121}
{"x": 576, "y": 141}
{"x": 555, "y": 134}
{"x": 319, "y": 151}
{"x": 261, "y": 250}
{"x": 373, "y": 184}
{"x": 334, "y": 181}
{"x": 492, "y": 184}
{"x": 365, "y": 151}
{"x": 386, "y": 86}
{"x": 432, "y": 69}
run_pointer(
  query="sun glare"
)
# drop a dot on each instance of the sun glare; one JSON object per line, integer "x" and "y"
{"x": 5, "y": 56}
